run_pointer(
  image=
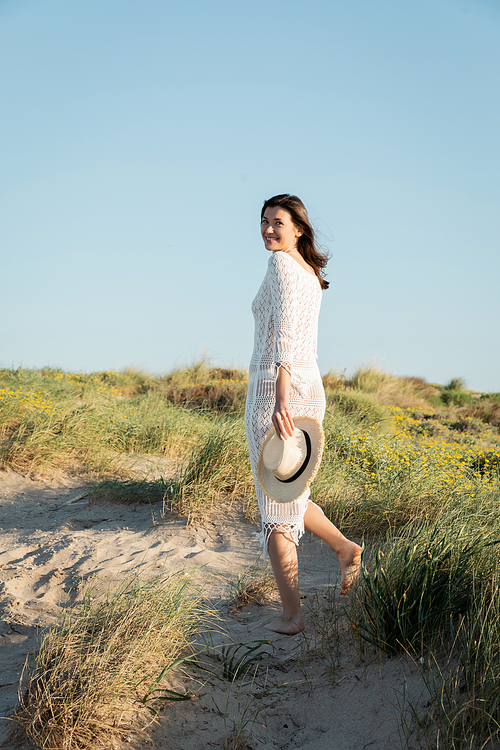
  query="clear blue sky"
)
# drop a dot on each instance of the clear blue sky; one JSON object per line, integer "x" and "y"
{"x": 140, "y": 138}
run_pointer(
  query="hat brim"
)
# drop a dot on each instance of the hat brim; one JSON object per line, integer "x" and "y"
{"x": 287, "y": 492}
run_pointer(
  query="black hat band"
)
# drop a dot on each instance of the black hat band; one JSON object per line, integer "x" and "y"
{"x": 304, "y": 464}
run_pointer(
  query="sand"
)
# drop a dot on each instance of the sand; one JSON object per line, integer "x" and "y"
{"x": 53, "y": 539}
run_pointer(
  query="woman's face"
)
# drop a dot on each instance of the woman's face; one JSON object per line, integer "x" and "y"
{"x": 278, "y": 231}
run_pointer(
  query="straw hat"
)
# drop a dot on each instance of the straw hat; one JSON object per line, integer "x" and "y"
{"x": 286, "y": 468}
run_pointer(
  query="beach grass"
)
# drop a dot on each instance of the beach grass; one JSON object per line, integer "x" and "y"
{"x": 50, "y": 420}
{"x": 412, "y": 465}
{"x": 385, "y": 464}
{"x": 218, "y": 469}
{"x": 95, "y": 676}
{"x": 465, "y": 684}
{"x": 254, "y": 585}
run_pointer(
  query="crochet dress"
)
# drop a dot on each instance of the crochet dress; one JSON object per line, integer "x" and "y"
{"x": 286, "y": 311}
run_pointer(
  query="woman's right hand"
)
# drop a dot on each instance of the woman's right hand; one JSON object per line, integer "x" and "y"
{"x": 282, "y": 420}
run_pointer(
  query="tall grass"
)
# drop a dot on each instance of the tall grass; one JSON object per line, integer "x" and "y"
{"x": 200, "y": 386}
{"x": 427, "y": 483}
{"x": 421, "y": 579}
{"x": 381, "y": 474}
{"x": 51, "y": 420}
{"x": 406, "y": 392}
{"x": 218, "y": 468}
{"x": 253, "y": 586}
{"x": 416, "y": 464}
{"x": 466, "y": 689}
{"x": 462, "y": 676}
{"x": 91, "y": 679}
{"x": 384, "y": 465}
{"x": 431, "y": 590}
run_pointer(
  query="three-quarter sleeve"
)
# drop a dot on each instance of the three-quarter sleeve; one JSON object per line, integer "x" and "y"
{"x": 283, "y": 282}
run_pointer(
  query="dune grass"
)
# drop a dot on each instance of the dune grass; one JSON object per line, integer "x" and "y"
{"x": 385, "y": 465}
{"x": 425, "y": 479}
{"x": 218, "y": 469}
{"x": 50, "y": 420}
{"x": 414, "y": 464}
{"x": 423, "y": 577}
{"x": 370, "y": 482}
{"x": 255, "y": 585}
{"x": 95, "y": 674}
{"x": 431, "y": 591}
{"x": 465, "y": 687}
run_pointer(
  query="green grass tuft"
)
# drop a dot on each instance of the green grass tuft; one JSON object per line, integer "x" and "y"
{"x": 92, "y": 678}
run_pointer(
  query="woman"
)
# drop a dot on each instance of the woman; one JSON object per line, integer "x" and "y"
{"x": 284, "y": 382}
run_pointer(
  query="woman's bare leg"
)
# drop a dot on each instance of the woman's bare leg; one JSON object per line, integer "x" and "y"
{"x": 349, "y": 553}
{"x": 283, "y": 555}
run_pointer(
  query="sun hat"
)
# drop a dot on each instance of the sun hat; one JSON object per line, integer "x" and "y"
{"x": 286, "y": 468}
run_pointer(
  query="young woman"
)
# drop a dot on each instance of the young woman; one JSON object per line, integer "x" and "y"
{"x": 285, "y": 383}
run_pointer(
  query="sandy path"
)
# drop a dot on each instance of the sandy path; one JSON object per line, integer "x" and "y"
{"x": 49, "y": 546}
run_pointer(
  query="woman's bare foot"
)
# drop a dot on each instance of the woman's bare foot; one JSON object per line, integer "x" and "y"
{"x": 287, "y": 627}
{"x": 350, "y": 566}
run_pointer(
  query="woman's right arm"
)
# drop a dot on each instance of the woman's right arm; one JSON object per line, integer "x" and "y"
{"x": 282, "y": 419}
{"x": 283, "y": 282}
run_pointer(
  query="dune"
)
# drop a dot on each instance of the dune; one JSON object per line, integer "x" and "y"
{"x": 53, "y": 540}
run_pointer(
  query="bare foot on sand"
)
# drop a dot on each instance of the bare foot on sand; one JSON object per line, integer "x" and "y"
{"x": 350, "y": 567}
{"x": 287, "y": 627}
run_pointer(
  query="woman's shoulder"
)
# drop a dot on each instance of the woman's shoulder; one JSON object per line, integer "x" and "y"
{"x": 281, "y": 271}
{"x": 279, "y": 256}
{"x": 282, "y": 262}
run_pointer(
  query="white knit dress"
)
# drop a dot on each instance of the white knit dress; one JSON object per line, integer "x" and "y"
{"x": 286, "y": 311}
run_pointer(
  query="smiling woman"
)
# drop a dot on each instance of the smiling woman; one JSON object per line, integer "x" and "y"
{"x": 278, "y": 230}
{"x": 286, "y": 403}
{"x": 285, "y": 225}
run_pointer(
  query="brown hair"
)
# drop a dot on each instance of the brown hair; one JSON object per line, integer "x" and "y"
{"x": 306, "y": 244}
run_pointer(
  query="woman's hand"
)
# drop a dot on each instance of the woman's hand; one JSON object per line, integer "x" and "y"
{"x": 282, "y": 419}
